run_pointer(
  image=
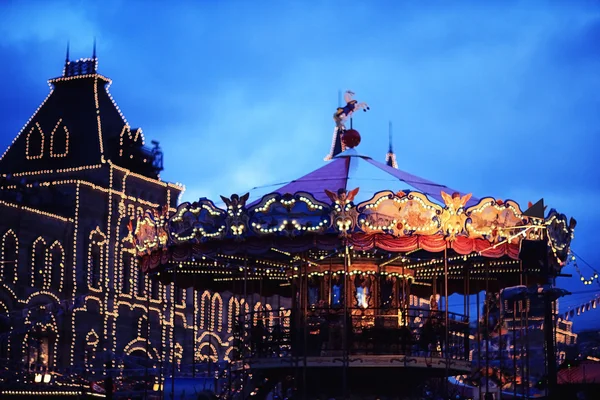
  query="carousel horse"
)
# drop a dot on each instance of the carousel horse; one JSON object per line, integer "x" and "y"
{"x": 343, "y": 113}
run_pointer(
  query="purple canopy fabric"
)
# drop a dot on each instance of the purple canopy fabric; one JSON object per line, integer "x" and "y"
{"x": 425, "y": 186}
{"x": 349, "y": 170}
{"x": 331, "y": 176}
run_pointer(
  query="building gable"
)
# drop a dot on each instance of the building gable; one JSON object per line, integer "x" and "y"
{"x": 77, "y": 125}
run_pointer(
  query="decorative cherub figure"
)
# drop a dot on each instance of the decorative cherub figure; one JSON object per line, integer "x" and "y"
{"x": 453, "y": 218}
{"x": 342, "y": 197}
{"x": 236, "y": 220}
{"x": 342, "y": 216}
{"x": 234, "y": 201}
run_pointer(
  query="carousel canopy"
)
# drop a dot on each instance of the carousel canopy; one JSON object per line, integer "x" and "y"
{"x": 349, "y": 170}
{"x": 354, "y": 202}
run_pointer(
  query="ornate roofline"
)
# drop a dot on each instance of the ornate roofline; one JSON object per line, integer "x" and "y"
{"x": 86, "y": 76}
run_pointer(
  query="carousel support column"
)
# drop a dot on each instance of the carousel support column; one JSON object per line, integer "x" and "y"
{"x": 467, "y": 299}
{"x": 446, "y": 319}
{"x": 294, "y": 326}
{"x": 305, "y": 333}
{"x": 487, "y": 326}
{"x": 522, "y": 349}
{"x": 163, "y": 358}
{"x": 500, "y": 344}
{"x": 514, "y": 353}
{"x": 478, "y": 344}
{"x": 330, "y": 284}
{"x": 406, "y": 286}
{"x": 527, "y": 374}
{"x": 400, "y": 293}
{"x": 405, "y": 296}
{"x": 173, "y": 336}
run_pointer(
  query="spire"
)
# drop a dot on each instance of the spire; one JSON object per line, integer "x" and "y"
{"x": 66, "y": 58}
{"x": 83, "y": 66}
{"x": 390, "y": 158}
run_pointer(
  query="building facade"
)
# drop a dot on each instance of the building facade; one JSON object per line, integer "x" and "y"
{"x": 71, "y": 295}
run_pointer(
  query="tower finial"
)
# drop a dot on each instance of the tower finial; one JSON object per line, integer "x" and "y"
{"x": 66, "y": 60}
{"x": 390, "y": 158}
{"x": 390, "y": 136}
{"x": 94, "y": 52}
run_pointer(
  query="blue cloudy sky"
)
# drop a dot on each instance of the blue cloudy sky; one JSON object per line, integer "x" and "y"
{"x": 494, "y": 98}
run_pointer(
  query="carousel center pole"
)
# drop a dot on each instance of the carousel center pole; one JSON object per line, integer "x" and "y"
{"x": 345, "y": 349}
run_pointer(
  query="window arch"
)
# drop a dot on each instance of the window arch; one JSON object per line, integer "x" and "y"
{"x": 59, "y": 140}
{"x": 178, "y": 294}
{"x": 127, "y": 269}
{"x": 216, "y": 323}
{"x": 40, "y": 346}
{"x": 5, "y": 330}
{"x": 235, "y": 309}
{"x": 269, "y": 315}
{"x": 96, "y": 247}
{"x": 141, "y": 282}
{"x": 205, "y": 310}
{"x": 38, "y": 262}
{"x": 155, "y": 289}
{"x": 34, "y": 143}
{"x": 10, "y": 255}
{"x": 91, "y": 345}
{"x": 55, "y": 266}
{"x": 178, "y": 355}
{"x": 143, "y": 326}
{"x": 258, "y": 313}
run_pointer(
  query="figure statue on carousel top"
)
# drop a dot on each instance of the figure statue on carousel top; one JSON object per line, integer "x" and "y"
{"x": 343, "y": 113}
{"x": 340, "y": 116}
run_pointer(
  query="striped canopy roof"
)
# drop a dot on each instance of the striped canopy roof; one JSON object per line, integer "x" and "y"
{"x": 349, "y": 170}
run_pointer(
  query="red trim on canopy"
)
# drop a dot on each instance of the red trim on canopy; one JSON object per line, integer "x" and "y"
{"x": 360, "y": 241}
{"x": 436, "y": 243}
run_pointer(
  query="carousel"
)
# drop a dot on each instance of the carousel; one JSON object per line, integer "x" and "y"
{"x": 368, "y": 256}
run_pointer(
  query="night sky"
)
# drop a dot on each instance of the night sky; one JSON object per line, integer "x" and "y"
{"x": 499, "y": 99}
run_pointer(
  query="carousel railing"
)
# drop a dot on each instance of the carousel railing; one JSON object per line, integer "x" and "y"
{"x": 320, "y": 332}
